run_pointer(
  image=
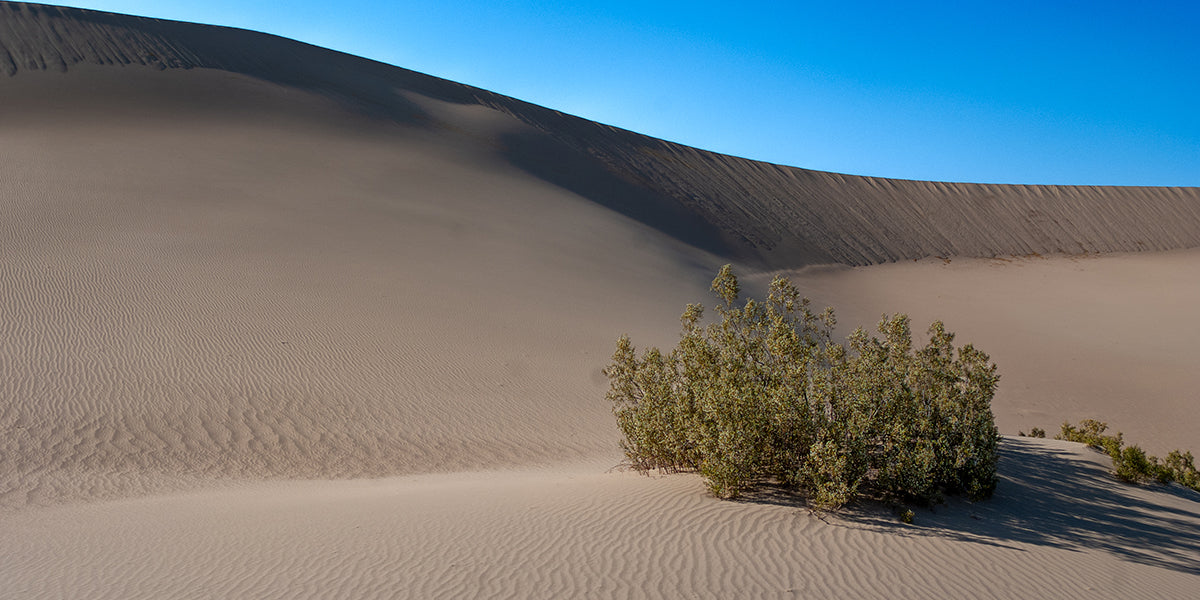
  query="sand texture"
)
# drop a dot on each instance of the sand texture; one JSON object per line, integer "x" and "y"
{"x": 1059, "y": 526}
{"x": 280, "y": 322}
{"x": 766, "y": 214}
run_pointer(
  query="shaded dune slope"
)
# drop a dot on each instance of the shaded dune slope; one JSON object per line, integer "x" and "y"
{"x": 282, "y": 289}
{"x": 774, "y": 216}
{"x": 209, "y": 275}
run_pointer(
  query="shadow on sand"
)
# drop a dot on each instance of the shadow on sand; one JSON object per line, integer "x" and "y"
{"x": 1049, "y": 495}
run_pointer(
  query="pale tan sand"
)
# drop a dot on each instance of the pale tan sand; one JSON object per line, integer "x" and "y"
{"x": 285, "y": 298}
{"x": 1109, "y": 337}
{"x": 231, "y": 289}
{"x": 777, "y": 216}
{"x": 1058, "y": 528}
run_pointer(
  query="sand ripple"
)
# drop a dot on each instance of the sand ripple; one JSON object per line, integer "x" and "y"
{"x": 554, "y": 534}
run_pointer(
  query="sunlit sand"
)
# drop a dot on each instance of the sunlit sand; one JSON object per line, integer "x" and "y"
{"x": 279, "y": 322}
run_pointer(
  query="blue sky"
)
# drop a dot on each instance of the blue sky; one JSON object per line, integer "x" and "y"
{"x": 1086, "y": 92}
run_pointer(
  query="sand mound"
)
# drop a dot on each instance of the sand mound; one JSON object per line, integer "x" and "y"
{"x": 192, "y": 296}
{"x": 1059, "y": 526}
{"x": 778, "y": 217}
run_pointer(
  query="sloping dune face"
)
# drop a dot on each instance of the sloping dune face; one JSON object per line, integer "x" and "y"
{"x": 779, "y": 217}
{"x": 206, "y": 274}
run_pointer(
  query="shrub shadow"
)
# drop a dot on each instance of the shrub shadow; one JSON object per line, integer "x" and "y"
{"x": 1053, "y": 494}
{"x": 1050, "y": 496}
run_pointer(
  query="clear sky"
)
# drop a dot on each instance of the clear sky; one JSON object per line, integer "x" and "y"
{"x": 1044, "y": 91}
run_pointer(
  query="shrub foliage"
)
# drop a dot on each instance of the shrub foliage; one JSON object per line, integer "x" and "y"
{"x": 1131, "y": 463}
{"x": 766, "y": 394}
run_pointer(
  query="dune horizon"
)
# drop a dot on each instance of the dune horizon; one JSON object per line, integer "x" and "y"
{"x": 278, "y": 321}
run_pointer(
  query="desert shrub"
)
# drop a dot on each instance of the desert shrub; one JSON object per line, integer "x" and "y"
{"x": 1182, "y": 468}
{"x": 765, "y": 393}
{"x": 1091, "y": 432}
{"x": 1131, "y": 463}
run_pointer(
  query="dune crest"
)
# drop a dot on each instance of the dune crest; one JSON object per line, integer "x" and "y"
{"x": 761, "y": 213}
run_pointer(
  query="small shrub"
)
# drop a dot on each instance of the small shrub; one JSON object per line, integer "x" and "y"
{"x": 1091, "y": 432}
{"x": 907, "y": 516}
{"x": 766, "y": 394}
{"x": 1182, "y": 468}
{"x": 1037, "y": 432}
{"x": 1134, "y": 466}
{"x": 1131, "y": 463}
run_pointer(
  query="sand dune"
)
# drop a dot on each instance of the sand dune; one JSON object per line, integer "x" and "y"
{"x": 1059, "y": 526}
{"x": 253, "y": 298}
{"x": 277, "y": 321}
{"x": 778, "y": 217}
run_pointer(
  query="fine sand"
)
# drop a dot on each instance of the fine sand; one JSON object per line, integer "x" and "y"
{"x": 1059, "y": 527}
{"x": 277, "y": 321}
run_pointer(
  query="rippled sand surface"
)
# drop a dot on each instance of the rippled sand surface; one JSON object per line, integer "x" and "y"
{"x": 277, "y": 321}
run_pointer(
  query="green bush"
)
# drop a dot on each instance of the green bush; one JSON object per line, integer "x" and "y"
{"x": 1182, "y": 468}
{"x": 1091, "y": 432}
{"x": 766, "y": 394}
{"x": 1131, "y": 463}
{"x": 1134, "y": 466}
